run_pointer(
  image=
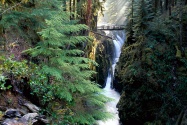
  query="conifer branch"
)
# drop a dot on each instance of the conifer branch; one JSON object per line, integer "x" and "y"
{"x": 11, "y": 8}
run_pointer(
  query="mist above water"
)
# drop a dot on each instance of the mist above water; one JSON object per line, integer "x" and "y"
{"x": 114, "y": 12}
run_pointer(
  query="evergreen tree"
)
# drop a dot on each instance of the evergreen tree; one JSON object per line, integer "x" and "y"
{"x": 143, "y": 14}
{"x": 153, "y": 67}
{"x": 68, "y": 74}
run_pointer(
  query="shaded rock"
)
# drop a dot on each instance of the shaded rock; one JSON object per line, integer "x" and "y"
{"x": 30, "y": 118}
{"x": 46, "y": 121}
{"x": 42, "y": 119}
{"x": 23, "y": 110}
{"x": 3, "y": 108}
{"x": 13, "y": 122}
{"x": 10, "y": 113}
{"x": 32, "y": 107}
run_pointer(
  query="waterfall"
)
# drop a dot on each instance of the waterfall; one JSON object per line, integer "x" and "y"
{"x": 118, "y": 41}
{"x": 114, "y": 14}
{"x": 119, "y": 38}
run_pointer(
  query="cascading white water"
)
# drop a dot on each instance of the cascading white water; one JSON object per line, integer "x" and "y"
{"x": 111, "y": 106}
{"x": 108, "y": 91}
{"x": 113, "y": 15}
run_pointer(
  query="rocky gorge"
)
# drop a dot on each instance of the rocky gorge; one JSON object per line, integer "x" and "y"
{"x": 57, "y": 67}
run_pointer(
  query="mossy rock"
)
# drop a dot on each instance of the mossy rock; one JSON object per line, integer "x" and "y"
{"x": 178, "y": 53}
{"x": 148, "y": 59}
{"x": 181, "y": 69}
{"x": 148, "y": 50}
{"x": 155, "y": 123}
{"x": 146, "y": 56}
{"x": 182, "y": 74}
{"x": 143, "y": 57}
{"x": 162, "y": 48}
{"x": 1, "y": 115}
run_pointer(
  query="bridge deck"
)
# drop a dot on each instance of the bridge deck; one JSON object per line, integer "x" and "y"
{"x": 112, "y": 27}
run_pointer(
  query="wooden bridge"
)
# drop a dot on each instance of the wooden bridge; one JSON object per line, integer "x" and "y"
{"x": 111, "y": 27}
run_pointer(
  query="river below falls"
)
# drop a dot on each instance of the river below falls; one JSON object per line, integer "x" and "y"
{"x": 111, "y": 106}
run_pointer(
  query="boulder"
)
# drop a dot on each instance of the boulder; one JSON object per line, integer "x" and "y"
{"x": 30, "y": 118}
{"x": 44, "y": 120}
{"x": 32, "y": 107}
{"x": 13, "y": 122}
{"x": 12, "y": 113}
{"x": 23, "y": 110}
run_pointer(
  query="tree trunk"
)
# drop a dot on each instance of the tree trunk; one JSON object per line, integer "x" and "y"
{"x": 70, "y": 9}
{"x": 170, "y": 7}
{"x": 161, "y": 8}
{"x": 156, "y": 5}
{"x": 166, "y": 5}
{"x": 169, "y": 10}
{"x": 74, "y": 9}
{"x": 89, "y": 9}
{"x": 186, "y": 33}
{"x": 64, "y": 4}
{"x": 132, "y": 11}
{"x": 172, "y": 3}
{"x": 181, "y": 25}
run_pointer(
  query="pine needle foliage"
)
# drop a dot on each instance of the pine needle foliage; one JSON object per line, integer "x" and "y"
{"x": 67, "y": 72}
{"x": 143, "y": 13}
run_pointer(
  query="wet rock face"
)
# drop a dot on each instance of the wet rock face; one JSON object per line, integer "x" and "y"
{"x": 116, "y": 83}
{"x": 104, "y": 59}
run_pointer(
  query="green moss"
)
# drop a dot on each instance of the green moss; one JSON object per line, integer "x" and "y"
{"x": 148, "y": 58}
{"x": 1, "y": 115}
{"x": 178, "y": 53}
{"x": 181, "y": 69}
{"x": 148, "y": 50}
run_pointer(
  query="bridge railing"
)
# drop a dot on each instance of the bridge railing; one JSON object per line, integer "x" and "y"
{"x": 111, "y": 27}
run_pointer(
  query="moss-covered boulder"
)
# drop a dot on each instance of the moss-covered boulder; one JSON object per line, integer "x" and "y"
{"x": 1, "y": 115}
